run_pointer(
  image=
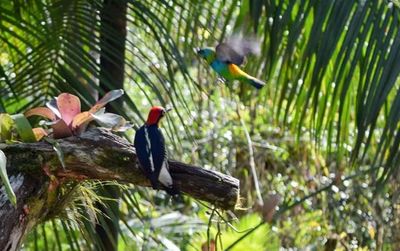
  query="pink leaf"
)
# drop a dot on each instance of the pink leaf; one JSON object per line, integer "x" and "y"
{"x": 69, "y": 106}
{"x": 41, "y": 111}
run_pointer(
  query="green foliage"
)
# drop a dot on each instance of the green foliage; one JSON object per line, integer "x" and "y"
{"x": 23, "y": 127}
{"x": 6, "y": 123}
{"x": 4, "y": 179}
{"x": 262, "y": 239}
{"x": 324, "y": 130}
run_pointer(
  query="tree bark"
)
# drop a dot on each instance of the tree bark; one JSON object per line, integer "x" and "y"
{"x": 112, "y": 61}
{"x": 35, "y": 171}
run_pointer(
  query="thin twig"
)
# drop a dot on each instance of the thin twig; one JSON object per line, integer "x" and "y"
{"x": 218, "y": 237}
{"x": 209, "y": 228}
{"x": 251, "y": 160}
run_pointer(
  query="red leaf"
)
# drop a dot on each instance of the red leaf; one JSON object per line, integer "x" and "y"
{"x": 61, "y": 130}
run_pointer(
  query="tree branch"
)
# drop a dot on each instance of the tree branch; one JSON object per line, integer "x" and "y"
{"x": 99, "y": 155}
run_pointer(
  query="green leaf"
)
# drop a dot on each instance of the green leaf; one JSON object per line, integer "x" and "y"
{"x": 5, "y": 180}
{"x": 6, "y": 123}
{"x": 23, "y": 127}
{"x": 57, "y": 149}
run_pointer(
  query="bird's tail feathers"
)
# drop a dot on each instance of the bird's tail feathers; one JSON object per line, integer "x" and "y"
{"x": 255, "y": 82}
{"x": 172, "y": 190}
{"x": 154, "y": 182}
{"x": 163, "y": 180}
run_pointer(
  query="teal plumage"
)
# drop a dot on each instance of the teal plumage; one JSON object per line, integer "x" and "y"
{"x": 221, "y": 68}
{"x": 225, "y": 60}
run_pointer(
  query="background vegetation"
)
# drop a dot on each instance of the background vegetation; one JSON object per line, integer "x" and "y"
{"x": 324, "y": 133}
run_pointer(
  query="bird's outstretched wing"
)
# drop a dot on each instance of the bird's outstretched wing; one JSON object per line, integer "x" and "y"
{"x": 227, "y": 54}
{"x": 236, "y": 48}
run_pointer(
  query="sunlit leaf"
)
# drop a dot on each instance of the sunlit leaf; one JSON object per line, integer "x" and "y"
{"x": 39, "y": 133}
{"x": 326, "y": 65}
{"x": 6, "y": 123}
{"x": 80, "y": 121}
{"x": 41, "y": 111}
{"x": 69, "y": 106}
{"x": 5, "y": 180}
{"x": 23, "y": 127}
{"x": 168, "y": 244}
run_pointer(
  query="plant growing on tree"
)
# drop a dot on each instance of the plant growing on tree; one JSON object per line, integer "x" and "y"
{"x": 66, "y": 119}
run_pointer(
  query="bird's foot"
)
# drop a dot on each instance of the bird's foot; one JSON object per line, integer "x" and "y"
{"x": 220, "y": 80}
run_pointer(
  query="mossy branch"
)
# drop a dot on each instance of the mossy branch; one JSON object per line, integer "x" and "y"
{"x": 95, "y": 155}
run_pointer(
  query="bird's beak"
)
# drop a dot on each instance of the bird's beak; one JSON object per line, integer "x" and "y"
{"x": 197, "y": 50}
{"x": 167, "y": 109}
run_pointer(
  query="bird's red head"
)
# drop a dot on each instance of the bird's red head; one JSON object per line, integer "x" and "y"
{"x": 155, "y": 114}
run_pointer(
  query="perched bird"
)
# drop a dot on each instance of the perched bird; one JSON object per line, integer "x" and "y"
{"x": 228, "y": 56}
{"x": 151, "y": 152}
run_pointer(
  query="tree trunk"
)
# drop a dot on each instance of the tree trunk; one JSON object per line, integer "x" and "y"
{"x": 36, "y": 177}
{"x": 112, "y": 59}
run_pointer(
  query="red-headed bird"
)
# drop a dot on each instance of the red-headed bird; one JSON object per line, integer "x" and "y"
{"x": 151, "y": 152}
{"x": 228, "y": 56}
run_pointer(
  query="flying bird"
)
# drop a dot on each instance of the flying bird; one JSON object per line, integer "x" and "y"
{"x": 226, "y": 58}
{"x": 151, "y": 152}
